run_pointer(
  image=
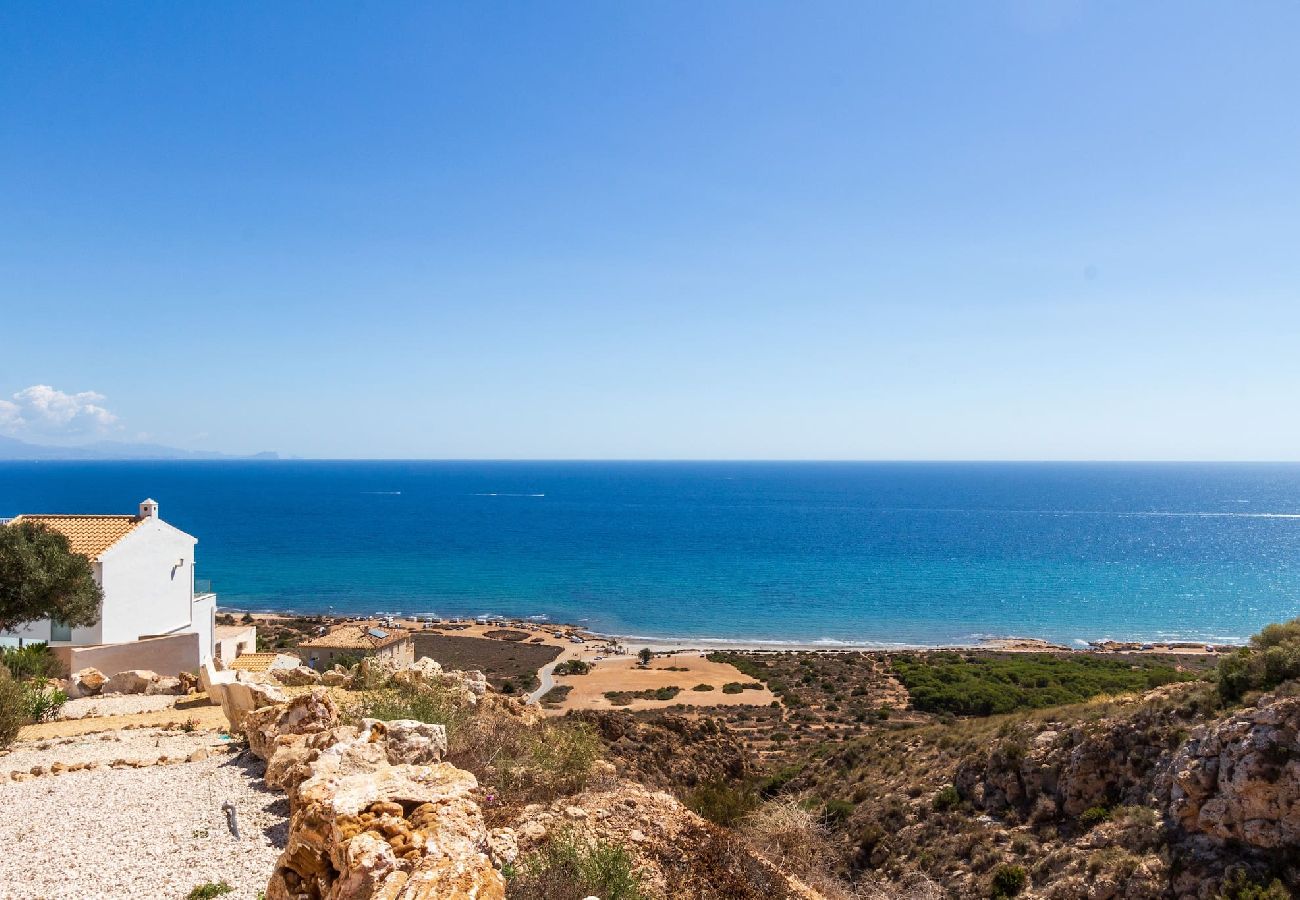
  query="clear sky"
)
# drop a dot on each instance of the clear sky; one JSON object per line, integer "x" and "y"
{"x": 867, "y": 230}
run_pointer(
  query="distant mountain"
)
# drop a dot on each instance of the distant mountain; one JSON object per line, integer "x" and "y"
{"x": 12, "y": 448}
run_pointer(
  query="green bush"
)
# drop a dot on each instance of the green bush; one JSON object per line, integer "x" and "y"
{"x": 1008, "y": 881}
{"x": 990, "y": 683}
{"x": 947, "y": 798}
{"x": 209, "y": 890}
{"x": 556, "y": 694}
{"x": 573, "y": 667}
{"x": 13, "y": 709}
{"x": 1093, "y": 816}
{"x": 43, "y": 700}
{"x": 1240, "y": 886}
{"x": 736, "y": 687}
{"x": 836, "y": 812}
{"x": 723, "y": 802}
{"x": 623, "y": 698}
{"x": 1272, "y": 657}
{"x": 702, "y": 687}
{"x": 567, "y": 869}
{"x": 33, "y": 661}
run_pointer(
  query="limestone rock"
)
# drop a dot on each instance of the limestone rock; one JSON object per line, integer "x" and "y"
{"x": 132, "y": 681}
{"x": 307, "y": 714}
{"x": 297, "y": 676}
{"x": 239, "y": 698}
{"x": 423, "y": 671}
{"x": 336, "y": 678}
{"x": 408, "y": 741}
{"x": 164, "y": 685}
{"x": 1240, "y": 781}
{"x": 88, "y": 682}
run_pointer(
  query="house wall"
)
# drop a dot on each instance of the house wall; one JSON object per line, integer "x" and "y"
{"x": 231, "y": 647}
{"x": 322, "y": 658}
{"x": 168, "y": 655}
{"x": 148, "y": 581}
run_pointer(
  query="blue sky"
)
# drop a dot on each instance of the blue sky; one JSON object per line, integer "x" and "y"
{"x": 1003, "y": 230}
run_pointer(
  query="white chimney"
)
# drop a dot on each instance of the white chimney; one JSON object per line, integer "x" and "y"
{"x": 149, "y": 509}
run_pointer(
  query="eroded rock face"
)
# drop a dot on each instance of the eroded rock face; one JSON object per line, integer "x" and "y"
{"x": 132, "y": 681}
{"x": 1239, "y": 780}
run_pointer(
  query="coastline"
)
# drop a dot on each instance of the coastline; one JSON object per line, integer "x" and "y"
{"x": 669, "y": 644}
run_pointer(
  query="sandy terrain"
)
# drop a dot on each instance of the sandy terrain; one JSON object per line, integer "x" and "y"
{"x": 181, "y": 709}
{"x": 623, "y": 674}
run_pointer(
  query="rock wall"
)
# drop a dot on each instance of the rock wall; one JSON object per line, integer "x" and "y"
{"x": 374, "y": 812}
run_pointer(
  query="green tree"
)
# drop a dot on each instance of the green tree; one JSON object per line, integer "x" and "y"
{"x": 41, "y": 578}
{"x": 645, "y": 656}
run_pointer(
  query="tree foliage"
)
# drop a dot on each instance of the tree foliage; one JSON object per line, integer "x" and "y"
{"x": 41, "y": 578}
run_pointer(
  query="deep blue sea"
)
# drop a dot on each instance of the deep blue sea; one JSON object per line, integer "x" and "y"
{"x": 911, "y": 553}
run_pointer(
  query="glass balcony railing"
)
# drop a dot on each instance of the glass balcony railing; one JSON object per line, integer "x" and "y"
{"x": 202, "y": 586}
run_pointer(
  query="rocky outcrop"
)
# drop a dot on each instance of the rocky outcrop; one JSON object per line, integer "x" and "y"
{"x": 665, "y": 750}
{"x": 1239, "y": 779}
{"x": 678, "y": 853}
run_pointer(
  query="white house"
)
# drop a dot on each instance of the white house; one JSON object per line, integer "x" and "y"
{"x": 146, "y": 570}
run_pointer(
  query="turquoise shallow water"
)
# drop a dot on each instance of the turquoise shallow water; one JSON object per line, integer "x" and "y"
{"x": 837, "y": 552}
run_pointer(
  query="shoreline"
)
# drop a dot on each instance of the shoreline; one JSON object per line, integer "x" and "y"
{"x": 670, "y": 644}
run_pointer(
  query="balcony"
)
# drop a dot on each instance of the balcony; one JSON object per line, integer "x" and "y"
{"x": 203, "y": 587}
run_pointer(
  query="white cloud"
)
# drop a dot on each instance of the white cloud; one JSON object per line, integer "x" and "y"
{"x": 45, "y": 411}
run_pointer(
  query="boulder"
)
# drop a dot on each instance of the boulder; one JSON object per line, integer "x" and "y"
{"x": 239, "y": 698}
{"x": 164, "y": 685}
{"x": 189, "y": 682}
{"x": 88, "y": 682}
{"x": 308, "y": 714}
{"x": 423, "y": 671}
{"x": 297, "y": 676}
{"x": 132, "y": 681}
{"x": 336, "y": 678}
{"x": 408, "y": 741}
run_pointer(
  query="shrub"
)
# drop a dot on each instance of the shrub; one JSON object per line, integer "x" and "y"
{"x": 623, "y": 698}
{"x": 835, "y": 812}
{"x": 566, "y": 869}
{"x": 33, "y": 661}
{"x": 1093, "y": 816}
{"x": 1008, "y": 881}
{"x": 556, "y": 695}
{"x": 790, "y": 834}
{"x": 13, "y": 709}
{"x": 702, "y": 687}
{"x": 947, "y": 798}
{"x": 1272, "y": 657}
{"x": 722, "y": 802}
{"x": 573, "y": 667}
{"x": 209, "y": 890}
{"x": 1240, "y": 886}
{"x": 43, "y": 701}
{"x": 736, "y": 687}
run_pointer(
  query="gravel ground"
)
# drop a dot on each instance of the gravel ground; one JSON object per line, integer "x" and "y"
{"x": 152, "y": 833}
{"x": 143, "y": 743}
{"x": 116, "y": 705}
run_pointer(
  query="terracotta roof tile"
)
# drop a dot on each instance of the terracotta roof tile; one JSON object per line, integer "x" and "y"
{"x": 88, "y": 535}
{"x": 356, "y": 637}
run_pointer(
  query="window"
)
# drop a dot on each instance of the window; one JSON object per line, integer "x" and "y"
{"x": 60, "y": 631}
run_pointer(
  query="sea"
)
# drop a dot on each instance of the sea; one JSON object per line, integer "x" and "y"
{"x": 825, "y": 553}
